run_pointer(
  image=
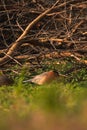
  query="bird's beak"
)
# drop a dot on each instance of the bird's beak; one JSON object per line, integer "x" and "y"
{"x": 62, "y": 75}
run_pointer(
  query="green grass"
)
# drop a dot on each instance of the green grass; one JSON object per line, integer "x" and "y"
{"x": 28, "y": 104}
{"x": 61, "y": 104}
{"x": 22, "y": 103}
{"x": 54, "y": 96}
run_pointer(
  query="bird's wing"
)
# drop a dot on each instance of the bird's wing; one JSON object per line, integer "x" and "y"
{"x": 39, "y": 79}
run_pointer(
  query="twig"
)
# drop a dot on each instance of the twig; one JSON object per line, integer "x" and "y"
{"x": 17, "y": 43}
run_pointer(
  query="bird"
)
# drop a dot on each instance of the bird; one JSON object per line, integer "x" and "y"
{"x": 45, "y": 77}
{"x": 5, "y": 80}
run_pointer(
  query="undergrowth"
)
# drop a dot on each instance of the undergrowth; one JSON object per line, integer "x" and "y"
{"x": 31, "y": 105}
{"x": 25, "y": 104}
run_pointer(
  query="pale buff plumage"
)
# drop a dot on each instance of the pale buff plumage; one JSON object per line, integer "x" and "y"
{"x": 44, "y": 78}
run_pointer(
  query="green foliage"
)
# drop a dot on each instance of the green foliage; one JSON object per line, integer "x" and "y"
{"x": 21, "y": 102}
{"x": 53, "y": 97}
{"x": 58, "y": 97}
{"x": 64, "y": 98}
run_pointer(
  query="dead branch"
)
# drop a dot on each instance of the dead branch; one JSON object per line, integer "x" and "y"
{"x": 17, "y": 43}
